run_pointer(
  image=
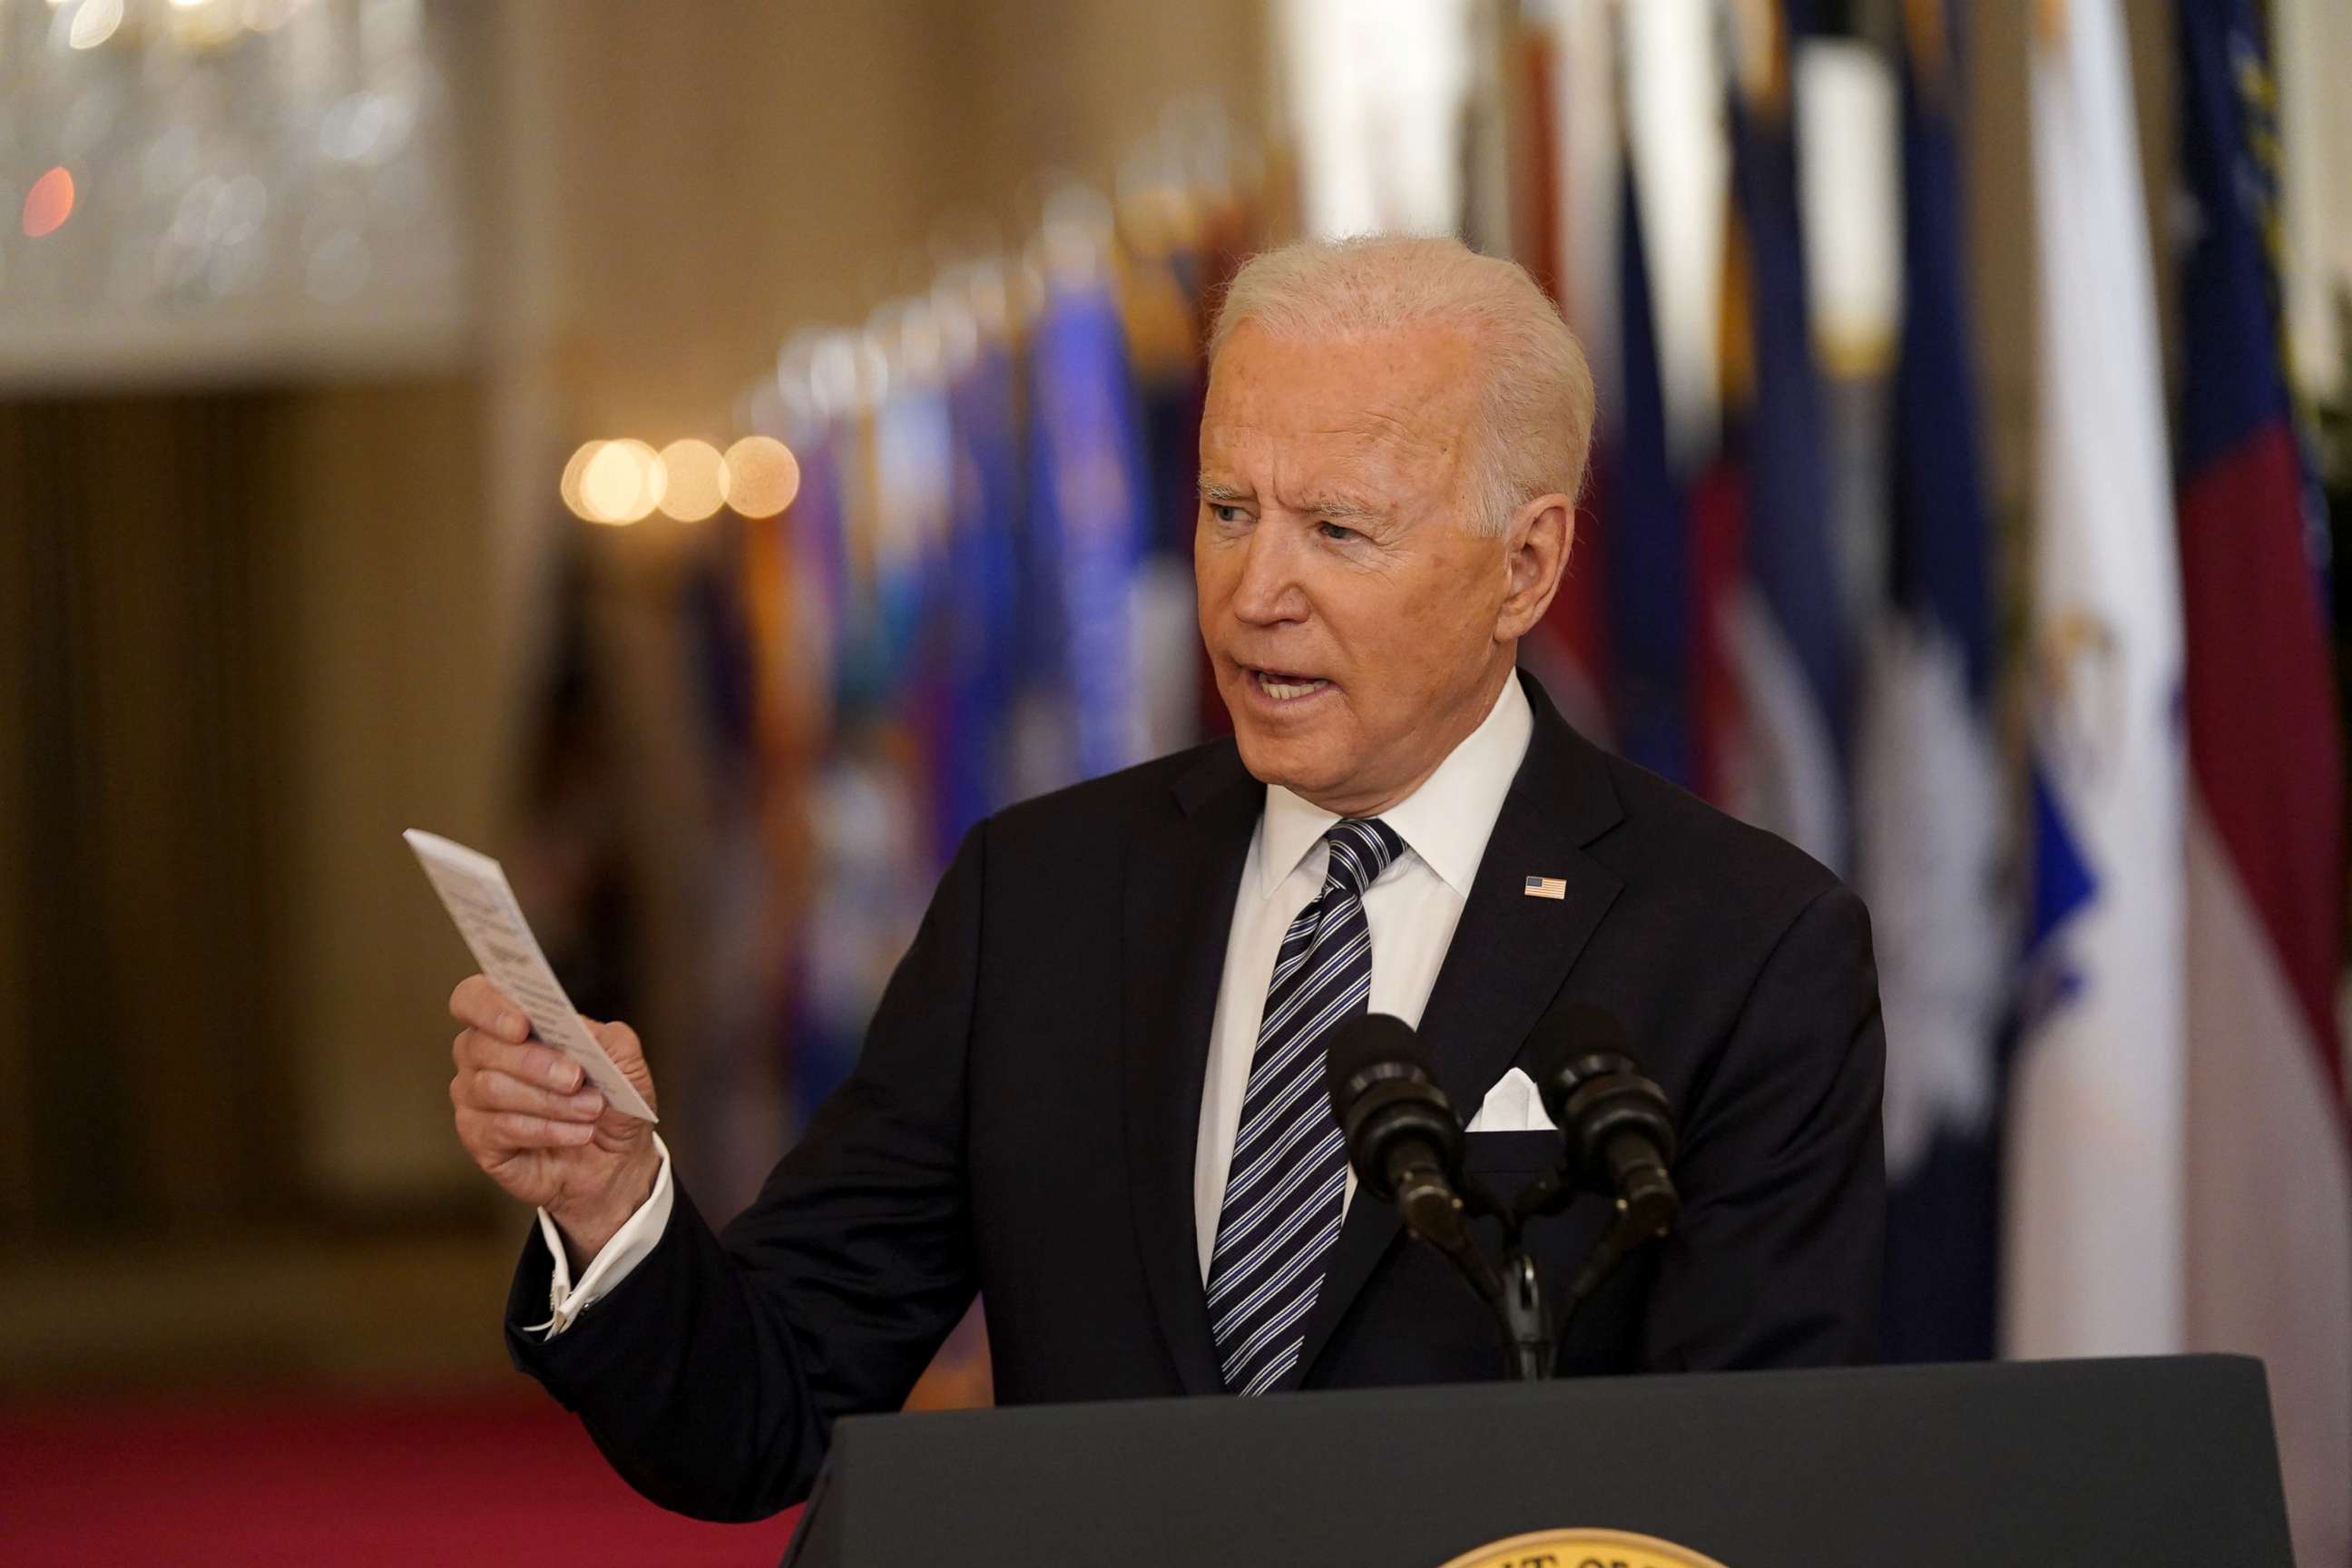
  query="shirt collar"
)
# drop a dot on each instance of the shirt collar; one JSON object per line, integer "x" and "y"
{"x": 1446, "y": 821}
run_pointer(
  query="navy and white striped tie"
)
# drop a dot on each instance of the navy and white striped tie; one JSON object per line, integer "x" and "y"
{"x": 1286, "y": 1189}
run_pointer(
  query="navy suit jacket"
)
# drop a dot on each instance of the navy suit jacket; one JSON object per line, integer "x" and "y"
{"x": 1020, "y": 1124}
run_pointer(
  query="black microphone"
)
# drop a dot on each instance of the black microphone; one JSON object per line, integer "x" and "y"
{"x": 1402, "y": 1135}
{"x": 1618, "y": 1128}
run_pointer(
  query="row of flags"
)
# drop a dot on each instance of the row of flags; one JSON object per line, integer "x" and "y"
{"x": 2180, "y": 1161}
{"x": 1792, "y": 613}
{"x": 985, "y": 580}
{"x": 2109, "y": 951}
{"x": 2177, "y": 1174}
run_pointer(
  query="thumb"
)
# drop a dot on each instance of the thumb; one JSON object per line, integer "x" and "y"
{"x": 628, "y": 1054}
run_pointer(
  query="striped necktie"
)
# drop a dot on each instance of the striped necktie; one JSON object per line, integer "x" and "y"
{"x": 1286, "y": 1189}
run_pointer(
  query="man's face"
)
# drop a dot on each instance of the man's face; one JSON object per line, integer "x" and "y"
{"x": 1354, "y": 620}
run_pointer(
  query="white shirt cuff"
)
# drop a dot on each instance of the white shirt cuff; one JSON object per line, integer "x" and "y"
{"x": 628, "y": 1247}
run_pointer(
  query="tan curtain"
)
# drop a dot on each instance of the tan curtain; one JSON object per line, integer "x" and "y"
{"x": 141, "y": 647}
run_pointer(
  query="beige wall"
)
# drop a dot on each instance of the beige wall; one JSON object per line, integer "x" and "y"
{"x": 723, "y": 171}
{"x": 392, "y": 725}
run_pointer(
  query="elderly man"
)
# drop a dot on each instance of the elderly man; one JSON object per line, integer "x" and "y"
{"x": 1093, "y": 1090}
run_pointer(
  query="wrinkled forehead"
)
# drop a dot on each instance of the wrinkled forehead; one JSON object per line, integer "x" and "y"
{"x": 1391, "y": 408}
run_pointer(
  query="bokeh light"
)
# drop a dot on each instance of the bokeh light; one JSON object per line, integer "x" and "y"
{"x": 622, "y": 482}
{"x": 205, "y": 23}
{"x": 49, "y": 203}
{"x": 94, "y": 22}
{"x": 696, "y": 478}
{"x": 763, "y": 476}
{"x": 573, "y": 471}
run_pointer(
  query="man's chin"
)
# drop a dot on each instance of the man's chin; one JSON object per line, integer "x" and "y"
{"x": 1297, "y": 763}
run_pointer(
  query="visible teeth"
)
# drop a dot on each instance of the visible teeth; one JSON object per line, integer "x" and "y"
{"x": 1283, "y": 690}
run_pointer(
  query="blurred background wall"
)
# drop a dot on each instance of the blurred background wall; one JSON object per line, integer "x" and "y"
{"x": 272, "y": 597}
{"x": 314, "y": 312}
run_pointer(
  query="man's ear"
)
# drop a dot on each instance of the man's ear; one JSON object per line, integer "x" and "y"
{"x": 1535, "y": 549}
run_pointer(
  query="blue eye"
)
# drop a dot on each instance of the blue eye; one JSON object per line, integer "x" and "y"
{"x": 1219, "y": 510}
{"x": 1338, "y": 534}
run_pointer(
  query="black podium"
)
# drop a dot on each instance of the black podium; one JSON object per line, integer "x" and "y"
{"x": 2152, "y": 1463}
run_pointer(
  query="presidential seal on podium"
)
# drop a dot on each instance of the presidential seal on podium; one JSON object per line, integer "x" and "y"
{"x": 1582, "y": 1549}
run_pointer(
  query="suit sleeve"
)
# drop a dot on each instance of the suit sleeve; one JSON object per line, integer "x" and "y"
{"x": 711, "y": 1375}
{"x": 1779, "y": 1254}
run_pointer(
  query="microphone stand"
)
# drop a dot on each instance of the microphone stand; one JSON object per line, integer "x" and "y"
{"x": 1436, "y": 1206}
{"x": 1634, "y": 1224}
{"x": 1514, "y": 1291}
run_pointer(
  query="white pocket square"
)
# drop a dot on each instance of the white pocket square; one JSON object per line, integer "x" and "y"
{"x": 1511, "y": 1105}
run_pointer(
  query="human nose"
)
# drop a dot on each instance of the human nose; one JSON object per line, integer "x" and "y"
{"x": 1268, "y": 592}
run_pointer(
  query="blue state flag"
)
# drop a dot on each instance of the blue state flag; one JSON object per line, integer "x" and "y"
{"x": 1646, "y": 554}
{"x": 1928, "y": 791}
{"x": 1088, "y": 509}
{"x": 1785, "y": 631}
{"x": 970, "y": 729}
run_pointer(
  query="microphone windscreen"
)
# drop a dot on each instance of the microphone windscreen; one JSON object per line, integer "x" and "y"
{"x": 1369, "y": 1039}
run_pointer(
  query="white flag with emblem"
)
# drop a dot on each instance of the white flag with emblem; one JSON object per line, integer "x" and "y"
{"x": 2095, "y": 1181}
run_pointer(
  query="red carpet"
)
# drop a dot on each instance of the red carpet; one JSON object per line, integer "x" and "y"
{"x": 503, "y": 1481}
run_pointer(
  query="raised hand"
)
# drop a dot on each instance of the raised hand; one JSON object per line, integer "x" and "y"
{"x": 529, "y": 1118}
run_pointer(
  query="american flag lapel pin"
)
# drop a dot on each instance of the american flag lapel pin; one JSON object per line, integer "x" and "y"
{"x": 1547, "y": 887}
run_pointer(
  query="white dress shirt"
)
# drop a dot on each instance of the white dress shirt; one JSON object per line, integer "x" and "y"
{"x": 1411, "y": 911}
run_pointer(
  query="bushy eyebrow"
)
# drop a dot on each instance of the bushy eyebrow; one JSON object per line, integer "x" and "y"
{"x": 1339, "y": 507}
{"x": 1342, "y": 507}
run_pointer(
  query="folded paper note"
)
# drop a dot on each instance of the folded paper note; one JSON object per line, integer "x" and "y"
{"x": 474, "y": 889}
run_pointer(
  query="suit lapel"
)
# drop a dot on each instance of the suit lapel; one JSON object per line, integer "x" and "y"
{"x": 1508, "y": 958}
{"x": 1180, "y": 886}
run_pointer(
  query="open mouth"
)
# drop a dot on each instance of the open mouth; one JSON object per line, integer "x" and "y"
{"x": 1283, "y": 686}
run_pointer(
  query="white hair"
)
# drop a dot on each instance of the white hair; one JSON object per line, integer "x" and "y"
{"x": 1534, "y": 425}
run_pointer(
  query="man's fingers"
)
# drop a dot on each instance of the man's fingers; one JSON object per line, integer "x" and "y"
{"x": 478, "y": 1004}
{"x": 487, "y": 1090}
{"x": 475, "y": 1051}
{"x": 619, "y": 1041}
{"x": 490, "y": 1134}
{"x": 519, "y": 1132}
